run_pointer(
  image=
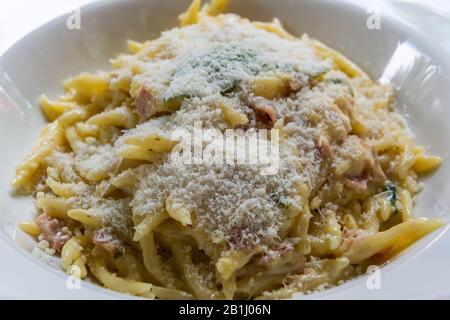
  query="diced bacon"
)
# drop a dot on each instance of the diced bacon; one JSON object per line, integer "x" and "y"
{"x": 371, "y": 171}
{"x": 145, "y": 105}
{"x": 266, "y": 115}
{"x": 351, "y": 238}
{"x": 357, "y": 183}
{"x": 324, "y": 148}
{"x": 51, "y": 231}
{"x": 238, "y": 240}
{"x": 281, "y": 251}
{"x": 106, "y": 241}
{"x": 296, "y": 84}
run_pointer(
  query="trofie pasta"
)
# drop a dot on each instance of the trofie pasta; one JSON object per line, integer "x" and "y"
{"x": 119, "y": 209}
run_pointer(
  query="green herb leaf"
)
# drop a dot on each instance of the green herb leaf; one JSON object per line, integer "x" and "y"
{"x": 283, "y": 205}
{"x": 233, "y": 87}
{"x": 335, "y": 81}
{"x": 392, "y": 195}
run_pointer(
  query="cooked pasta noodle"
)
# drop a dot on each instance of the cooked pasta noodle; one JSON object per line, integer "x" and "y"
{"x": 118, "y": 209}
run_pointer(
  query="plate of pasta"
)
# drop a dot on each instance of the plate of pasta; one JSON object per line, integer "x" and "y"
{"x": 246, "y": 150}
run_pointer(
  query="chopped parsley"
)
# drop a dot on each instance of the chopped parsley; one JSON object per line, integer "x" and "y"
{"x": 220, "y": 69}
{"x": 391, "y": 190}
{"x": 233, "y": 88}
{"x": 283, "y": 205}
{"x": 335, "y": 81}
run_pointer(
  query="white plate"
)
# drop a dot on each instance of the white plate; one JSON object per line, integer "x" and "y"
{"x": 396, "y": 53}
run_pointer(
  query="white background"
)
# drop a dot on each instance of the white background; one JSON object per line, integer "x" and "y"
{"x": 18, "y": 17}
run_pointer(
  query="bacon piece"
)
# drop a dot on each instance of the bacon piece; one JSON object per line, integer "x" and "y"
{"x": 51, "y": 231}
{"x": 350, "y": 238}
{"x": 281, "y": 251}
{"x": 266, "y": 115}
{"x": 371, "y": 170}
{"x": 106, "y": 241}
{"x": 296, "y": 84}
{"x": 145, "y": 104}
{"x": 238, "y": 239}
{"x": 358, "y": 182}
{"x": 324, "y": 148}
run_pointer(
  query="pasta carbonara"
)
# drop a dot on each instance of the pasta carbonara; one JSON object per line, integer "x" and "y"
{"x": 117, "y": 208}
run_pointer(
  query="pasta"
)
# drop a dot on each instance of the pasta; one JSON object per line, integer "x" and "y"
{"x": 121, "y": 210}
